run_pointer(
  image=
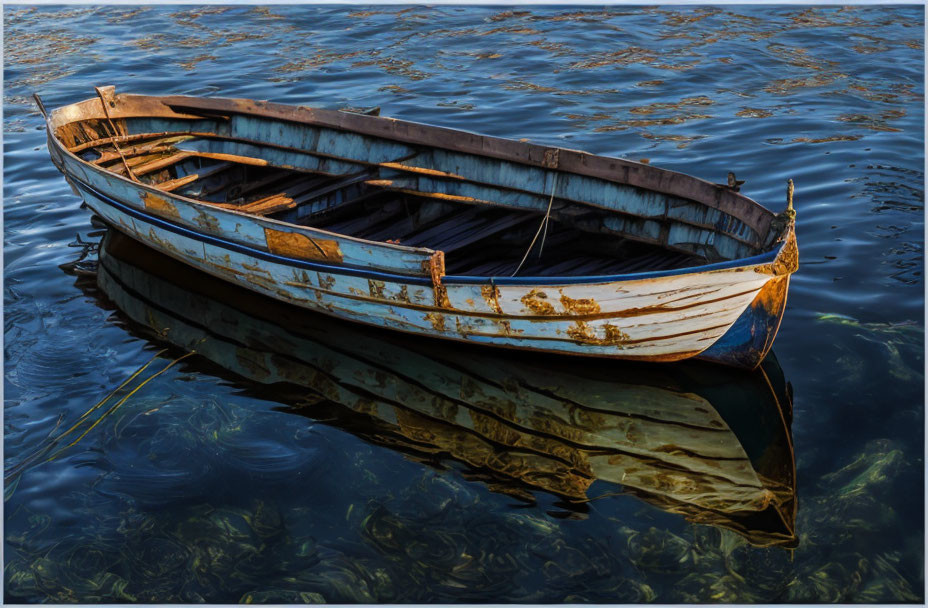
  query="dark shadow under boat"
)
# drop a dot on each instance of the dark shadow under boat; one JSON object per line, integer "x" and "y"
{"x": 710, "y": 443}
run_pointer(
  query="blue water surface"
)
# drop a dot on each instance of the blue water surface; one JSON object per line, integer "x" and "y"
{"x": 198, "y": 490}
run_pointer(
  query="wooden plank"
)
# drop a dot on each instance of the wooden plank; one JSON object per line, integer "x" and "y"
{"x": 163, "y": 163}
{"x": 306, "y": 191}
{"x": 155, "y": 147}
{"x": 124, "y": 138}
{"x": 175, "y": 184}
{"x": 234, "y": 158}
{"x": 456, "y": 218}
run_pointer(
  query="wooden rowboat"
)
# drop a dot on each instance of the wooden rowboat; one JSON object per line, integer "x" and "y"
{"x": 435, "y": 231}
{"x": 710, "y": 443}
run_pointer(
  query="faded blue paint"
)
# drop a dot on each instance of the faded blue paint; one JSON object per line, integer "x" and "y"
{"x": 485, "y": 178}
{"x": 274, "y": 156}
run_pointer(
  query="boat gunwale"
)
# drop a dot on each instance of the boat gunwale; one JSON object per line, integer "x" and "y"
{"x": 61, "y": 116}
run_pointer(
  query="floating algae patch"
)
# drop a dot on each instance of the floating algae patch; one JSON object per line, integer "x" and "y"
{"x": 754, "y": 113}
{"x": 789, "y": 86}
{"x": 682, "y": 140}
{"x": 191, "y": 64}
{"x": 686, "y": 102}
{"x": 874, "y": 122}
{"x": 825, "y": 140}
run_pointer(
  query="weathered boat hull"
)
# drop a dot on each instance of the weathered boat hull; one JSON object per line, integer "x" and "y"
{"x": 709, "y": 443}
{"x": 726, "y": 312}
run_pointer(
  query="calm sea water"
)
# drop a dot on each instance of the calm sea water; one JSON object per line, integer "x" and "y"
{"x": 204, "y": 486}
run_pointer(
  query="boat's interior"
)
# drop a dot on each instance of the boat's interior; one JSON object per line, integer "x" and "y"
{"x": 374, "y": 201}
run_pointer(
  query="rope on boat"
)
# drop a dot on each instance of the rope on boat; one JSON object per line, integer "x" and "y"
{"x": 542, "y": 226}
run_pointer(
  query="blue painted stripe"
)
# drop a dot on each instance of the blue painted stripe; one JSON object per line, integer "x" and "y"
{"x": 764, "y": 258}
{"x": 245, "y": 249}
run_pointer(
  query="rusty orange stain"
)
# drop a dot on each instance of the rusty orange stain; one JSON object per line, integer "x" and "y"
{"x": 375, "y": 288}
{"x": 581, "y": 332}
{"x": 536, "y": 301}
{"x": 437, "y": 320}
{"x": 441, "y": 297}
{"x": 787, "y": 261}
{"x": 585, "y": 306}
{"x": 325, "y": 281}
{"x": 614, "y": 335}
{"x": 460, "y": 327}
{"x": 295, "y": 244}
{"x": 159, "y": 205}
{"x": 505, "y": 328}
{"x": 772, "y": 296}
{"x": 437, "y": 271}
{"x": 490, "y": 295}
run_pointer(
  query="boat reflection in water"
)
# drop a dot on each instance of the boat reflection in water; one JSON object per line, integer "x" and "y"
{"x": 710, "y": 443}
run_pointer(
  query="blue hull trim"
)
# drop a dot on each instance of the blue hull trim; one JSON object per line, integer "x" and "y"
{"x": 763, "y": 258}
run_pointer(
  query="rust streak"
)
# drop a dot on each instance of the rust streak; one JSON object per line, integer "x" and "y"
{"x": 421, "y": 170}
{"x": 160, "y": 206}
{"x": 437, "y": 320}
{"x": 579, "y": 307}
{"x": 299, "y": 245}
{"x": 537, "y": 301}
{"x": 490, "y": 295}
{"x": 375, "y": 289}
{"x": 437, "y": 271}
